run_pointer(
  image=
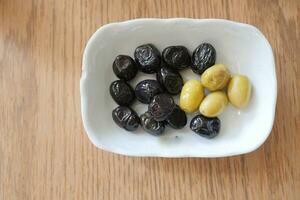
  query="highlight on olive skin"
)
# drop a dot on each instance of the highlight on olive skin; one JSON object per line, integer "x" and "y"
{"x": 126, "y": 118}
{"x": 205, "y": 126}
{"x": 176, "y": 57}
{"x": 170, "y": 79}
{"x": 191, "y": 96}
{"x": 122, "y": 93}
{"x": 213, "y": 104}
{"x": 203, "y": 57}
{"x": 161, "y": 107}
{"x": 148, "y": 58}
{"x": 147, "y": 89}
{"x": 150, "y": 125}
{"x": 216, "y": 77}
{"x": 125, "y": 67}
{"x": 239, "y": 91}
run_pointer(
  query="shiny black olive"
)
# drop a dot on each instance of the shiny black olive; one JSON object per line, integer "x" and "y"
{"x": 170, "y": 79}
{"x": 161, "y": 106}
{"x": 126, "y": 118}
{"x": 125, "y": 67}
{"x": 177, "y": 118}
{"x": 177, "y": 57}
{"x": 121, "y": 92}
{"x": 147, "y": 89}
{"x": 150, "y": 125}
{"x": 203, "y": 57}
{"x": 206, "y": 127}
{"x": 147, "y": 58}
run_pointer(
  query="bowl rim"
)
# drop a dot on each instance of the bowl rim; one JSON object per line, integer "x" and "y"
{"x": 85, "y": 72}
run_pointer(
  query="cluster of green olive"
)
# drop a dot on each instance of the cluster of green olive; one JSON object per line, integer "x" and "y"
{"x": 216, "y": 78}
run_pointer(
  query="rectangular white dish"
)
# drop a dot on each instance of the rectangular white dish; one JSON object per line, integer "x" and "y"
{"x": 241, "y": 47}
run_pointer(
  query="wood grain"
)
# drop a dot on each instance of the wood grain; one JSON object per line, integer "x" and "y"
{"x": 44, "y": 152}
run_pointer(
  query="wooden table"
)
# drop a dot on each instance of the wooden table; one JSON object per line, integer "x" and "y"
{"x": 44, "y": 151}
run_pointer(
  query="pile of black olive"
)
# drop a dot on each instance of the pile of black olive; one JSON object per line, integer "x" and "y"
{"x": 162, "y": 110}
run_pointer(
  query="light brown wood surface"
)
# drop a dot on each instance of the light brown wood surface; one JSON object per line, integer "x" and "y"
{"x": 44, "y": 151}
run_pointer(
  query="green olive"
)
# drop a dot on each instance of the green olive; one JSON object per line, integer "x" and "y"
{"x": 239, "y": 91}
{"x": 191, "y": 96}
{"x": 213, "y": 104}
{"x": 215, "y": 77}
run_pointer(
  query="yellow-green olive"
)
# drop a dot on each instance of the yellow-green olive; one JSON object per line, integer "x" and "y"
{"x": 239, "y": 91}
{"x": 213, "y": 104}
{"x": 191, "y": 96}
{"x": 215, "y": 77}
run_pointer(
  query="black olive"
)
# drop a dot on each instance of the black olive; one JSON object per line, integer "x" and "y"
{"x": 177, "y": 118}
{"x": 126, "y": 118}
{"x": 203, "y": 57}
{"x": 150, "y": 125}
{"x": 121, "y": 92}
{"x": 161, "y": 107}
{"x": 147, "y": 89}
{"x": 125, "y": 67}
{"x": 147, "y": 58}
{"x": 177, "y": 57}
{"x": 170, "y": 79}
{"x": 206, "y": 127}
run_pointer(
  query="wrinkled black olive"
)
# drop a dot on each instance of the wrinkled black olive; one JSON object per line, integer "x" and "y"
{"x": 150, "y": 125}
{"x": 161, "y": 106}
{"x": 147, "y": 58}
{"x": 203, "y": 57}
{"x": 170, "y": 79}
{"x": 147, "y": 89}
{"x": 177, "y": 118}
{"x": 126, "y": 118}
{"x": 125, "y": 67}
{"x": 206, "y": 127}
{"x": 177, "y": 57}
{"x": 121, "y": 92}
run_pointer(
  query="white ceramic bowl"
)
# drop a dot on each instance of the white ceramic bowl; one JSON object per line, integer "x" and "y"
{"x": 241, "y": 47}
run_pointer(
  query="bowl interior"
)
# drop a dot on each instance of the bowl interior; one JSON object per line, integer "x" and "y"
{"x": 242, "y": 48}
